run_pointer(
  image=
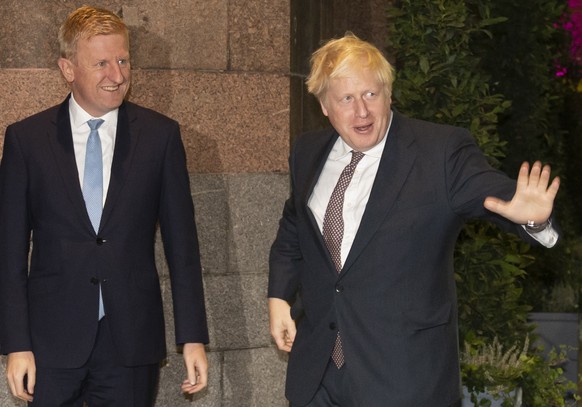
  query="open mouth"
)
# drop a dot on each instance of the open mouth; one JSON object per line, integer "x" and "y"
{"x": 363, "y": 129}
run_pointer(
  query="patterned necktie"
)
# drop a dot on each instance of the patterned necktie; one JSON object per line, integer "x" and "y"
{"x": 333, "y": 232}
{"x": 93, "y": 184}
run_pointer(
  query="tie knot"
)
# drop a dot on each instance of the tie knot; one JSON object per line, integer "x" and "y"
{"x": 94, "y": 124}
{"x": 356, "y": 157}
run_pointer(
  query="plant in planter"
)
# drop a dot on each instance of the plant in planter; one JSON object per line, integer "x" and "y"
{"x": 515, "y": 376}
{"x": 489, "y": 369}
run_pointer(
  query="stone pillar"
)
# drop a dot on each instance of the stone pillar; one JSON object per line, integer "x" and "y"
{"x": 221, "y": 68}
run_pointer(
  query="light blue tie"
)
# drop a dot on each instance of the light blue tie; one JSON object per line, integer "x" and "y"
{"x": 93, "y": 177}
{"x": 93, "y": 184}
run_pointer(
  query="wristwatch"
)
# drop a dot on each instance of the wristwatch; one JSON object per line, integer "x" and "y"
{"x": 533, "y": 227}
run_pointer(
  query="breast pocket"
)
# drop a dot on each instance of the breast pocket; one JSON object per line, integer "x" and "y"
{"x": 415, "y": 199}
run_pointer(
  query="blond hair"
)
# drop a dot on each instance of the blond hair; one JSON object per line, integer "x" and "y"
{"x": 338, "y": 57}
{"x": 87, "y": 22}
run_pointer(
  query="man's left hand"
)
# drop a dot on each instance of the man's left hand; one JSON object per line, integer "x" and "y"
{"x": 534, "y": 198}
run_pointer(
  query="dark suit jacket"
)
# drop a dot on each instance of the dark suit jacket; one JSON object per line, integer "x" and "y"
{"x": 51, "y": 308}
{"x": 395, "y": 300}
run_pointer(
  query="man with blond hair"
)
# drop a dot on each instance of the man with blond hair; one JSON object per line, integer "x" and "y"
{"x": 361, "y": 285}
{"x": 87, "y": 182}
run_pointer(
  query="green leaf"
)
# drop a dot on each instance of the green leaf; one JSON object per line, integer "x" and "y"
{"x": 424, "y": 64}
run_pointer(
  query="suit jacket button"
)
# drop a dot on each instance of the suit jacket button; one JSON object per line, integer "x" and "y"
{"x": 100, "y": 241}
{"x": 94, "y": 280}
{"x": 332, "y": 326}
{"x": 339, "y": 288}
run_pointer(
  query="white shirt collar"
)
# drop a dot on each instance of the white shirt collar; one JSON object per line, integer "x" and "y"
{"x": 79, "y": 116}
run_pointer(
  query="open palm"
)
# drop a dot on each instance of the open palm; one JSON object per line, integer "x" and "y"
{"x": 534, "y": 196}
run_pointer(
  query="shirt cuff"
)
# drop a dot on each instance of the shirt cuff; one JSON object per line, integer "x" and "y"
{"x": 547, "y": 237}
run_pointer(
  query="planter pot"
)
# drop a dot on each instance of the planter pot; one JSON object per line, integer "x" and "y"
{"x": 555, "y": 329}
{"x": 515, "y": 395}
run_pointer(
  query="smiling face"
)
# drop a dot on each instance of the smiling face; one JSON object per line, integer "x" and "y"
{"x": 358, "y": 107}
{"x": 99, "y": 73}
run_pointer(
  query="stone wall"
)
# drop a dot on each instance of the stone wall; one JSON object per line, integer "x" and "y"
{"x": 221, "y": 68}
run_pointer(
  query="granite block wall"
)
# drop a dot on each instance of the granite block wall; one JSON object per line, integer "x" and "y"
{"x": 221, "y": 68}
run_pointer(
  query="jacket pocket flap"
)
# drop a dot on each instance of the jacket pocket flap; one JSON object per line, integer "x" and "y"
{"x": 428, "y": 317}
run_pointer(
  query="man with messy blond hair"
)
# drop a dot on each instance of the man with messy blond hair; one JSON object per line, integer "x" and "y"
{"x": 361, "y": 285}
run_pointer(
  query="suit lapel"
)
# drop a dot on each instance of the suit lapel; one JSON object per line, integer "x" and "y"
{"x": 316, "y": 163}
{"x": 125, "y": 141}
{"x": 395, "y": 164}
{"x": 397, "y": 160}
{"x": 63, "y": 149}
{"x": 64, "y": 152}
{"x": 311, "y": 160}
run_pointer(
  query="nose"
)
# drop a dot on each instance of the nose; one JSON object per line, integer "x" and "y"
{"x": 116, "y": 73}
{"x": 361, "y": 109}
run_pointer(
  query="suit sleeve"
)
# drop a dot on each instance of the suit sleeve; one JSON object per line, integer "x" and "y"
{"x": 179, "y": 234}
{"x": 470, "y": 179}
{"x": 285, "y": 257}
{"x": 14, "y": 246}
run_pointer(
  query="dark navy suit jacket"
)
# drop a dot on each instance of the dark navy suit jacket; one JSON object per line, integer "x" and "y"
{"x": 395, "y": 300}
{"x": 51, "y": 306}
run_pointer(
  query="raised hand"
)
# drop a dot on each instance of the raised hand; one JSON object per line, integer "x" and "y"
{"x": 534, "y": 196}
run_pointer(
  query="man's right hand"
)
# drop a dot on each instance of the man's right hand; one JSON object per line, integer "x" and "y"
{"x": 20, "y": 365}
{"x": 283, "y": 328}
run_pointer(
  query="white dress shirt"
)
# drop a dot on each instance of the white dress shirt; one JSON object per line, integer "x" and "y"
{"x": 81, "y": 130}
{"x": 357, "y": 193}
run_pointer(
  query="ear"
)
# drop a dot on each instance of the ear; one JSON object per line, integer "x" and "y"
{"x": 388, "y": 93}
{"x": 66, "y": 67}
{"x": 323, "y": 108}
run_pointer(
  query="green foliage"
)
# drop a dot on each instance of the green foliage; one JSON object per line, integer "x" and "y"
{"x": 544, "y": 384}
{"x": 522, "y": 57}
{"x": 450, "y": 70}
{"x": 489, "y": 269}
{"x": 438, "y": 77}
